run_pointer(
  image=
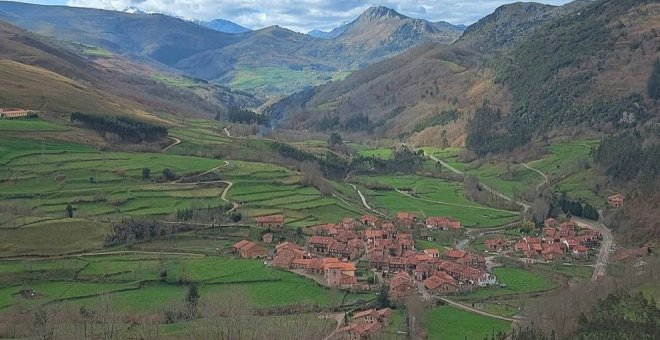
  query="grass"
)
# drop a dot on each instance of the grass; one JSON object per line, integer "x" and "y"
{"x": 449, "y": 323}
{"x": 383, "y": 153}
{"x": 270, "y": 80}
{"x": 29, "y": 125}
{"x": 517, "y": 281}
{"x": 53, "y": 237}
{"x": 431, "y": 191}
{"x": 574, "y": 271}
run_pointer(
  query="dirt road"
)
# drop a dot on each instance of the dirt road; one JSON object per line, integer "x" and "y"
{"x": 176, "y": 142}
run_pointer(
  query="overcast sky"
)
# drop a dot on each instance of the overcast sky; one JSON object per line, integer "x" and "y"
{"x": 301, "y": 15}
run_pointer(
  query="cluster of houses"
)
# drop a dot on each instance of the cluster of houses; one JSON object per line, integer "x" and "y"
{"x": 330, "y": 254}
{"x": 556, "y": 241}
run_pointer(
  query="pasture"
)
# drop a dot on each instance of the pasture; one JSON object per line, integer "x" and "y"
{"x": 517, "y": 281}
{"x": 449, "y": 323}
{"x": 143, "y": 282}
{"x": 30, "y": 125}
{"x": 433, "y": 197}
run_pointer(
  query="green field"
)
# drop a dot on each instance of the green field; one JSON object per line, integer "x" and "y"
{"x": 434, "y": 197}
{"x": 449, "y": 323}
{"x": 30, "y": 125}
{"x": 574, "y": 271}
{"x": 517, "y": 281}
{"x": 270, "y": 80}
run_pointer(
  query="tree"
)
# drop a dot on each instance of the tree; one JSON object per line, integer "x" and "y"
{"x": 146, "y": 173}
{"x": 654, "y": 81}
{"x": 69, "y": 211}
{"x": 169, "y": 174}
{"x": 191, "y": 301}
{"x": 384, "y": 297}
{"x": 335, "y": 139}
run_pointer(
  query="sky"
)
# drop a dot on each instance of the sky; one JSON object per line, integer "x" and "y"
{"x": 300, "y": 15}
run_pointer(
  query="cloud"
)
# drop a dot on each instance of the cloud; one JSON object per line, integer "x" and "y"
{"x": 305, "y": 15}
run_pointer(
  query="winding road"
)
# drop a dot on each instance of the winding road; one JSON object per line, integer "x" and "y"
{"x": 176, "y": 142}
{"x": 545, "y": 178}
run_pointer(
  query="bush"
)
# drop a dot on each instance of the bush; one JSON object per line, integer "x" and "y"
{"x": 146, "y": 173}
{"x": 169, "y": 174}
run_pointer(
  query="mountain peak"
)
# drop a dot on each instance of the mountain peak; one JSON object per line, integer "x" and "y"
{"x": 380, "y": 12}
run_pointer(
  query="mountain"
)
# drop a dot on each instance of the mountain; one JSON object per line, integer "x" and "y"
{"x": 328, "y": 35}
{"x": 43, "y": 73}
{"x": 381, "y": 31}
{"x": 262, "y": 61}
{"x": 539, "y": 68}
{"x": 225, "y": 26}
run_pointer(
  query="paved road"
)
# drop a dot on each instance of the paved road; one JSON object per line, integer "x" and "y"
{"x": 600, "y": 266}
{"x": 176, "y": 142}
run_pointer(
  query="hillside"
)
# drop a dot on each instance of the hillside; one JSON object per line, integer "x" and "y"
{"x": 45, "y": 74}
{"x": 231, "y": 58}
{"x": 582, "y": 68}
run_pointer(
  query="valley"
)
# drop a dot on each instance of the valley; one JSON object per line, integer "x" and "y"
{"x": 395, "y": 178}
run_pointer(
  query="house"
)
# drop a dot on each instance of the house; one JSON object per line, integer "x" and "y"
{"x": 406, "y": 219}
{"x": 442, "y": 223}
{"x": 616, "y": 200}
{"x": 372, "y": 235}
{"x": 373, "y": 316}
{"x": 496, "y": 245}
{"x": 359, "y": 331}
{"x": 550, "y": 223}
{"x": 249, "y": 250}
{"x": 401, "y": 285}
{"x": 347, "y": 223}
{"x": 435, "y": 253}
{"x": 580, "y": 251}
{"x": 321, "y": 244}
{"x": 552, "y": 252}
{"x": 369, "y": 220}
{"x": 339, "y": 274}
{"x": 271, "y": 221}
{"x": 441, "y": 283}
{"x": 267, "y": 238}
{"x": 13, "y": 113}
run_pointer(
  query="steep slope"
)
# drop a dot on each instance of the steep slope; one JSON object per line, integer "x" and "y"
{"x": 587, "y": 67}
{"x": 46, "y": 74}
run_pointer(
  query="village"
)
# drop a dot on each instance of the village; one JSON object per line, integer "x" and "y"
{"x": 369, "y": 253}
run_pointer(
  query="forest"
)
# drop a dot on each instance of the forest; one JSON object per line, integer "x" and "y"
{"x": 128, "y": 129}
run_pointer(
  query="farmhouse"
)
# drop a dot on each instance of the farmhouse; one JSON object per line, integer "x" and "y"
{"x": 357, "y": 331}
{"x": 249, "y": 250}
{"x": 401, "y": 285}
{"x": 338, "y": 274}
{"x": 321, "y": 244}
{"x": 271, "y": 221}
{"x": 373, "y": 316}
{"x": 370, "y": 220}
{"x": 442, "y": 223}
{"x": 435, "y": 253}
{"x": 615, "y": 200}
{"x": 13, "y": 113}
{"x": 496, "y": 245}
{"x": 441, "y": 283}
{"x": 405, "y": 219}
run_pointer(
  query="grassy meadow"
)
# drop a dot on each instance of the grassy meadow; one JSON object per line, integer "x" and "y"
{"x": 449, "y": 323}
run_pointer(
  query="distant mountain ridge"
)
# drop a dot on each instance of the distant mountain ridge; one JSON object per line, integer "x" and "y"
{"x": 222, "y": 25}
{"x": 540, "y": 68}
{"x": 280, "y": 60}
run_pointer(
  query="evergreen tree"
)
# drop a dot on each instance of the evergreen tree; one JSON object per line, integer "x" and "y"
{"x": 654, "y": 81}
